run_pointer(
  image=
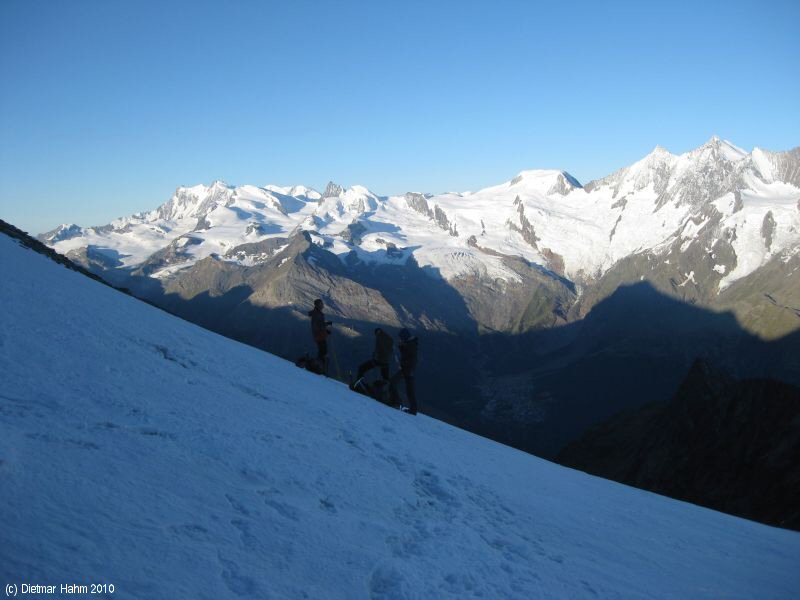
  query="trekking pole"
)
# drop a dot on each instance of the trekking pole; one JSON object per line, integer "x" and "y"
{"x": 336, "y": 361}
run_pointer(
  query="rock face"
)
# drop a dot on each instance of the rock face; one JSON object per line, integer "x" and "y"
{"x": 768, "y": 300}
{"x": 731, "y": 445}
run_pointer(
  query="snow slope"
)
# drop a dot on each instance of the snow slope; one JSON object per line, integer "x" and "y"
{"x": 142, "y": 451}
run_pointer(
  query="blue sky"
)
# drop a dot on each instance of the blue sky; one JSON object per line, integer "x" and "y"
{"x": 107, "y": 106}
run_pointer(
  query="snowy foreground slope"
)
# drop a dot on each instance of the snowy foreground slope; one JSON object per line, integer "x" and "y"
{"x": 142, "y": 451}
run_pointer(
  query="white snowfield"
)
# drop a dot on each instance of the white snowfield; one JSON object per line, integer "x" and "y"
{"x": 141, "y": 451}
{"x": 647, "y": 206}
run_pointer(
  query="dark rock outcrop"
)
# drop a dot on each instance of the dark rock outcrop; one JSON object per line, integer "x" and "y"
{"x": 729, "y": 445}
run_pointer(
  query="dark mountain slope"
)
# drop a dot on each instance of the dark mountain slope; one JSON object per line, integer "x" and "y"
{"x": 732, "y": 445}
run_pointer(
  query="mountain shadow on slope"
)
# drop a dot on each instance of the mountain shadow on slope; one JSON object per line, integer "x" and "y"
{"x": 728, "y": 444}
{"x": 265, "y": 306}
{"x": 537, "y": 390}
{"x": 446, "y": 390}
{"x": 633, "y": 348}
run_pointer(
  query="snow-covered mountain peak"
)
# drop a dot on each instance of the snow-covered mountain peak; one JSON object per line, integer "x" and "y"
{"x": 359, "y": 189}
{"x": 360, "y": 199}
{"x": 65, "y": 231}
{"x": 717, "y": 149}
{"x": 334, "y": 190}
{"x": 659, "y": 158}
{"x": 659, "y": 155}
{"x": 193, "y": 202}
{"x": 655, "y": 169}
{"x": 694, "y": 178}
{"x": 338, "y": 203}
{"x": 544, "y": 181}
{"x": 299, "y": 191}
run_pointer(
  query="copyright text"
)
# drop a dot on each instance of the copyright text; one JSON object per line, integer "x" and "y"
{"x": 68, "y": 589}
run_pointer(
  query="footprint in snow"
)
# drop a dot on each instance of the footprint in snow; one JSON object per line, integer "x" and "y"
{"x": 267, "y": 436}
{"x": 235, "y": 581}
{"x": 106, "y": 425}
{"x": 350, "y": 440}
{"x": 249, "y": 541}
{"x": 430, "y": 489}
{"x": 285, "y": 510}
{"x": 237, "y": 506}
{"x": 253, "y": 476}
{"x": 511, "y": 551}
{"x": 387, "y": 583}
{"x": 397, "y": 463}
{"x": 191, "y": 531}
{"x": 326, "y": 505}
{"x": 150, "y": 432}
{"x": 251, "y": 392}
{"x": 459, "y": 583}
{"x": 45, "y": 437}
{"x": 589, "y": 588}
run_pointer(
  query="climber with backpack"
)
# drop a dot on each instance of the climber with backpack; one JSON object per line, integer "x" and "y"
{"x": 408, "y": 365}
{"x": 380, "y": 356}
{"x": 320, "y": 332}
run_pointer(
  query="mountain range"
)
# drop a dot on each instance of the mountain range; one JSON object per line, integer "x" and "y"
{"x": 545, "y": 305}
